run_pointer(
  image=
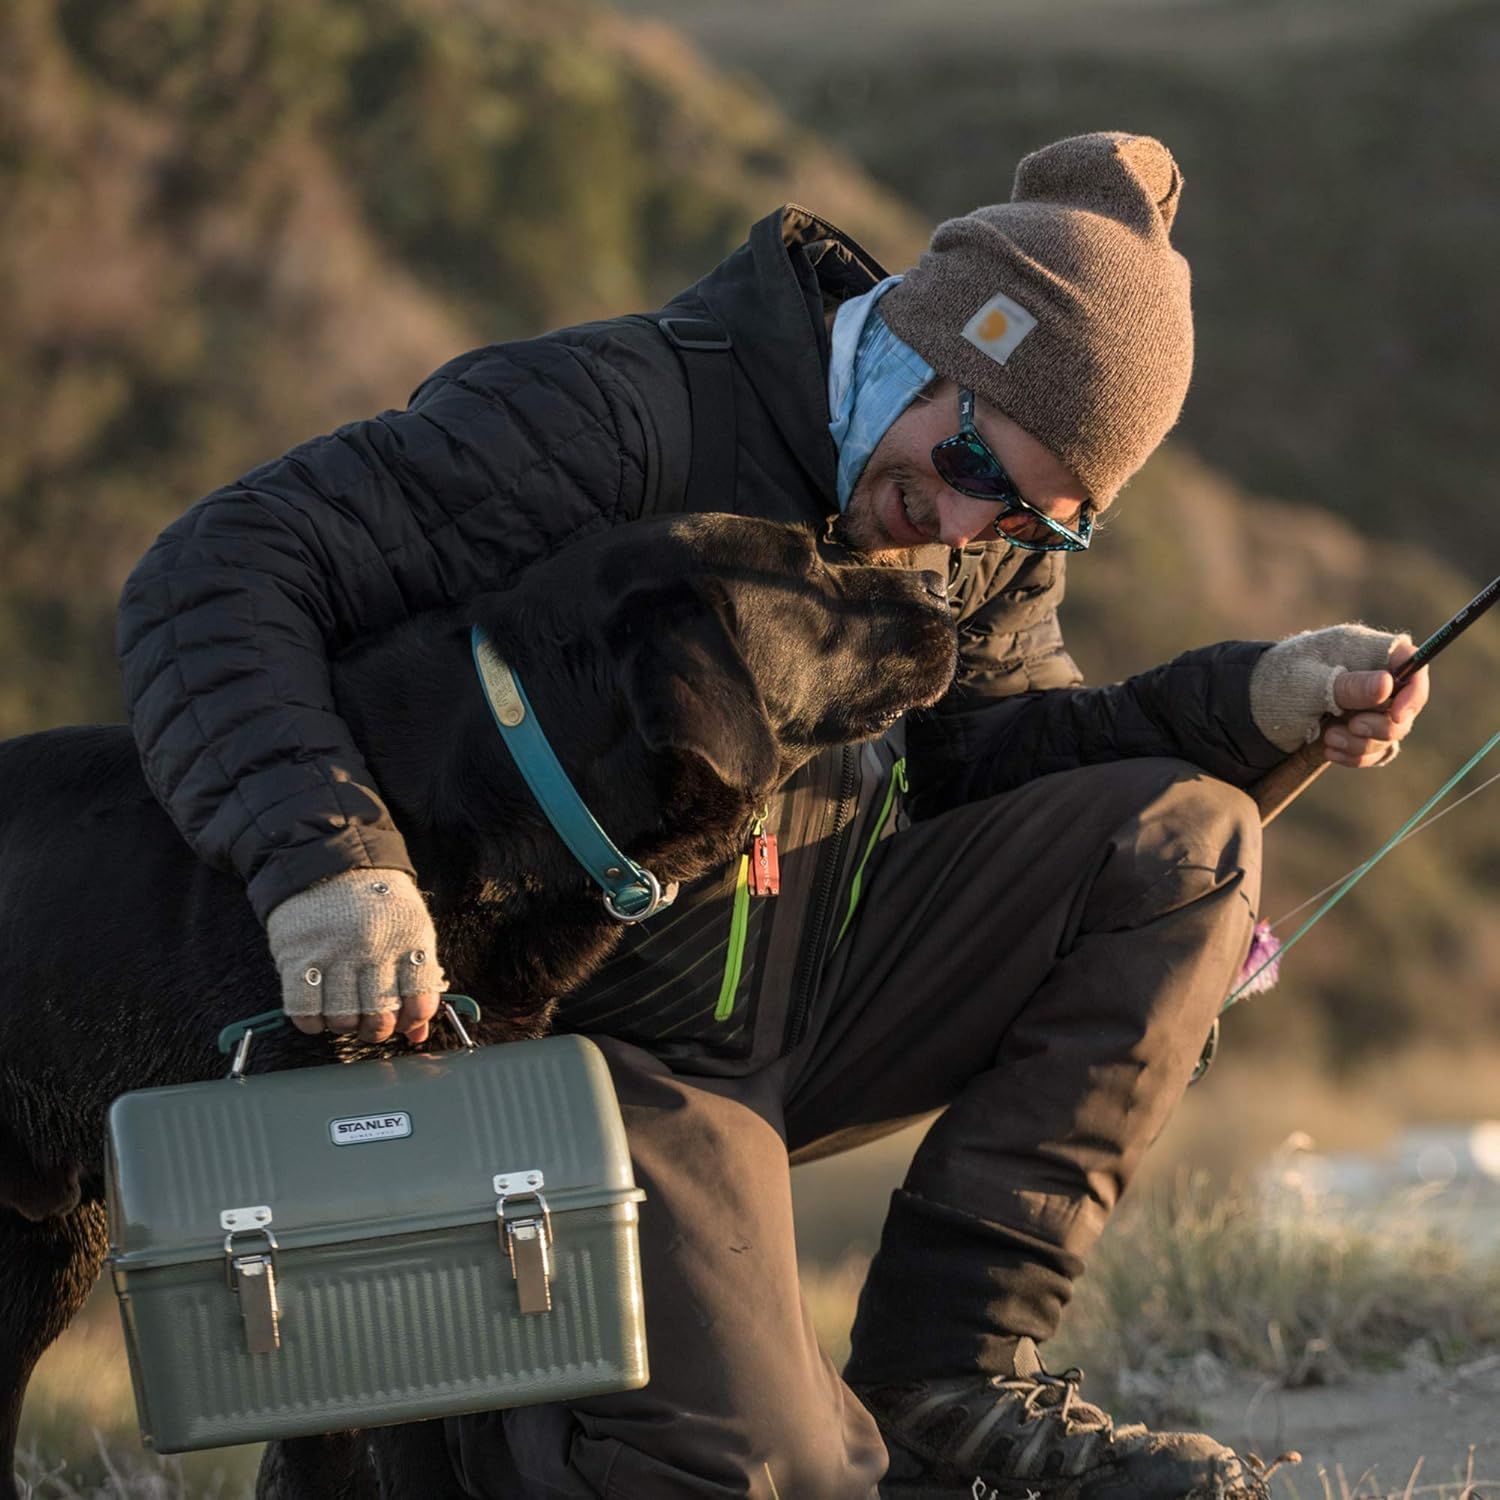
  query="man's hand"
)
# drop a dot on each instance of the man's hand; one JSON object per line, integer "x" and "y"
{"x": 1373, "y": 739}
{"x": 1345, "y": 669}
{"x": 358, "y": 951}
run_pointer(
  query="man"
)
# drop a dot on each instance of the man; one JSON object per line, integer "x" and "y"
{"x": 1037, "y": 937}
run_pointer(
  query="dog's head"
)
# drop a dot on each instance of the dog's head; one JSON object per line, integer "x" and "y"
{"x": 737, "y": 643}
{"x": 680, "y": 668}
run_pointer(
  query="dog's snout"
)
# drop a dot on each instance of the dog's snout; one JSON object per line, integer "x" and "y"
{"x": 935, "y": 584}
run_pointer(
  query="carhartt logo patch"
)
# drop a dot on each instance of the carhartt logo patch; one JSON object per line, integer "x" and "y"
{"x": 998, "y": 327}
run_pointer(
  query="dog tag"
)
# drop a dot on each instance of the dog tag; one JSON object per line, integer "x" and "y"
{"x": 765, "y": 866}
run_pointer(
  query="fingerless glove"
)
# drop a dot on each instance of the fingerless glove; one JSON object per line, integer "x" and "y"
{"x": 1291, "y": 686}
{"x": 354, "y": 945}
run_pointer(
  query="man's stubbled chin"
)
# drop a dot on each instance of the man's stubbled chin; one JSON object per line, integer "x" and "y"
{"x": 878, "y": 551}
{"x": 862, "y": 529}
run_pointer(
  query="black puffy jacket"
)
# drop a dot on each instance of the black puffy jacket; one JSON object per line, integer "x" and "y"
{"x": 513, "y": 451}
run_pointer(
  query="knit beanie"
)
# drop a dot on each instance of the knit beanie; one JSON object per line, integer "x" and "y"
{"x": 1067, "y": 308}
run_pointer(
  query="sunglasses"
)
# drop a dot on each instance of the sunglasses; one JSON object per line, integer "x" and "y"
{"x": 965, "y": 462}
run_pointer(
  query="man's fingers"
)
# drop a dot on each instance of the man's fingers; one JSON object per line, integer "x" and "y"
{"x": 1356, "y": 690}
{"x": 416, "y": 1012}
{"x": 412, "y": 1020}
{"x": 1371, "y": 739}
{"x": 1412, "y": 698}
{"x": 1359, "y": 754}
{"x": 1402, "y": 649}
{"x": 379, "y": 1027}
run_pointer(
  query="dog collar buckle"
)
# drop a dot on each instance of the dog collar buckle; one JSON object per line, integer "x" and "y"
{"x": 658, "y": 897}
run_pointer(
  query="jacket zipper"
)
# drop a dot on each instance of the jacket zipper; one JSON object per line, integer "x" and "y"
{"x": 897, "y": 782}
{"x": 812, "y": 941}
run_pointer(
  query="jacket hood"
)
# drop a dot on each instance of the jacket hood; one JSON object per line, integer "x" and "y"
{"x": 771, "y": 295}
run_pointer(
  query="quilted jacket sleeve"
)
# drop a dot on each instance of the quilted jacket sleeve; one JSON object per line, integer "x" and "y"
{"x": 227, "y": 624}
{"x": 1017, "y": 709}
{"x": 1195, "y": 708}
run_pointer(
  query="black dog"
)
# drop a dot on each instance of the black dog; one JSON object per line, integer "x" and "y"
{"x": 682, "y": 668}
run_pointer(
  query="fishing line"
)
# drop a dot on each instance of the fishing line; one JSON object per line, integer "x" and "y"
{"x": 1287, "y": 916}
{"x": 1350, "y": 881}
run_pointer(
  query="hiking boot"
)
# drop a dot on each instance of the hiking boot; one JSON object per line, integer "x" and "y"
{"x": 1030, "y": 1436}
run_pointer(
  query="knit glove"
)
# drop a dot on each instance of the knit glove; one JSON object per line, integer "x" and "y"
{"x": 1291, "y": 687}
{"x": 357, "y": 944}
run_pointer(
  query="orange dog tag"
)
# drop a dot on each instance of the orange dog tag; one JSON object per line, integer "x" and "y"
{"x": 765, "y": 867}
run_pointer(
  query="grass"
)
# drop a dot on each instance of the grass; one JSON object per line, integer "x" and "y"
{"x": 1294, "y": 1288}
{"x": 78, "y": 1432}
{"x": 116, "y": 1471}
{"x": 1336, "y": 1485}
{"x": 1197, "y": 1287}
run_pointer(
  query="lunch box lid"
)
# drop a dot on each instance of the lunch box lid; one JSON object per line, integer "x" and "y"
{"x": 364, "y": 1150}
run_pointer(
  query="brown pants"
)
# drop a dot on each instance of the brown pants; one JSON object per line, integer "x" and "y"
{"x": 1046, "y": 965}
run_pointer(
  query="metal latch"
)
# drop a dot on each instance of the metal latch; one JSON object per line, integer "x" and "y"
{"x": 526, "y": 1237}
{"x": 253, "y": 1276}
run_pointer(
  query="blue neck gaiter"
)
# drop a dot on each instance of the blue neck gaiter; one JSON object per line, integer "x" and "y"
{"x": 872, "y": 378}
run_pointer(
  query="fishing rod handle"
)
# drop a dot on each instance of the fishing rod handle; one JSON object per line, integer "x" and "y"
{"x": 1283, "y": 784}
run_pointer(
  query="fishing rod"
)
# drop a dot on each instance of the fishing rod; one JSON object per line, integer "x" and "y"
{"x": 1283, "y": 785}
{"x": 1294, "y": 775}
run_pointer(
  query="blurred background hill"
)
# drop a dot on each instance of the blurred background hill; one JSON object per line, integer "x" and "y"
{"x": 1340, "y": 213}
{"x": 228, "y": 225}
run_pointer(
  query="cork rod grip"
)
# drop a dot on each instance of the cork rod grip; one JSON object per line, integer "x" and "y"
{"x": 1283, "y": 784}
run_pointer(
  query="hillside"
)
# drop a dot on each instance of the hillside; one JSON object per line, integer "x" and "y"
{"x": 1341, "y": 210}
{"x": 229, "y": 227}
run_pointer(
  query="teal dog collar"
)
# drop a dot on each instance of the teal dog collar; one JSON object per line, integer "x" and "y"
{"x": 631, "y": 892}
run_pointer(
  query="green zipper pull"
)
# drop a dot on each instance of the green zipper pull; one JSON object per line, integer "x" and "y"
{"x": 739, "y": 922}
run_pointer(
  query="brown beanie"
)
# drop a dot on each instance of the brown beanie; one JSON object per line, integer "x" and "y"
{"x": 1067, "y": 308}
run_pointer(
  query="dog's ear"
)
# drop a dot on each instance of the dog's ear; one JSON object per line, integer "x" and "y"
{"x": 690, "y": 689}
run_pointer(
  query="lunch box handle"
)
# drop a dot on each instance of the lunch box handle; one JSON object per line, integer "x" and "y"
{"x": 238, "y": 1035}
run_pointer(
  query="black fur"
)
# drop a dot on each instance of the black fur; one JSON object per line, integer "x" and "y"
{"x": 682, "y": 669}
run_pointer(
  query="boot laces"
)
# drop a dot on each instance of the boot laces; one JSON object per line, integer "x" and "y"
{"x": 1046, "y": 1395}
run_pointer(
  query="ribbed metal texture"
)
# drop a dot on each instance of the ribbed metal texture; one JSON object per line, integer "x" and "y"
{"x": 387, "y": 1331}
{"x": 422, "y": 1319}
{"x": 180, "y": 1155}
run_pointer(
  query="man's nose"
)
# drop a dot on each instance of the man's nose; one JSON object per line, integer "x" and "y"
{"x": 961, "y": 520}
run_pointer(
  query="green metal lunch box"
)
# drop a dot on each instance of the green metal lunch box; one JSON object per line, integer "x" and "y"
{"x": 384, "y": 1241}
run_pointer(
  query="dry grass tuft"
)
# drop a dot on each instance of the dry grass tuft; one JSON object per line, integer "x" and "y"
{"x": 1336, "y": 1485}
{"x": 115, "y": 1471}
{"x": 1295, "y": 1286}
{"x": 1194, "y": 1282}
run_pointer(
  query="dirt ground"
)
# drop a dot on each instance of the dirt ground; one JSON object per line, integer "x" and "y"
{"x": 1370, "y": 1431}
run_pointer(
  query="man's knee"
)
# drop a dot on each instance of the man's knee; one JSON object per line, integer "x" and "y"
{"x": 1183, "y": 836}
